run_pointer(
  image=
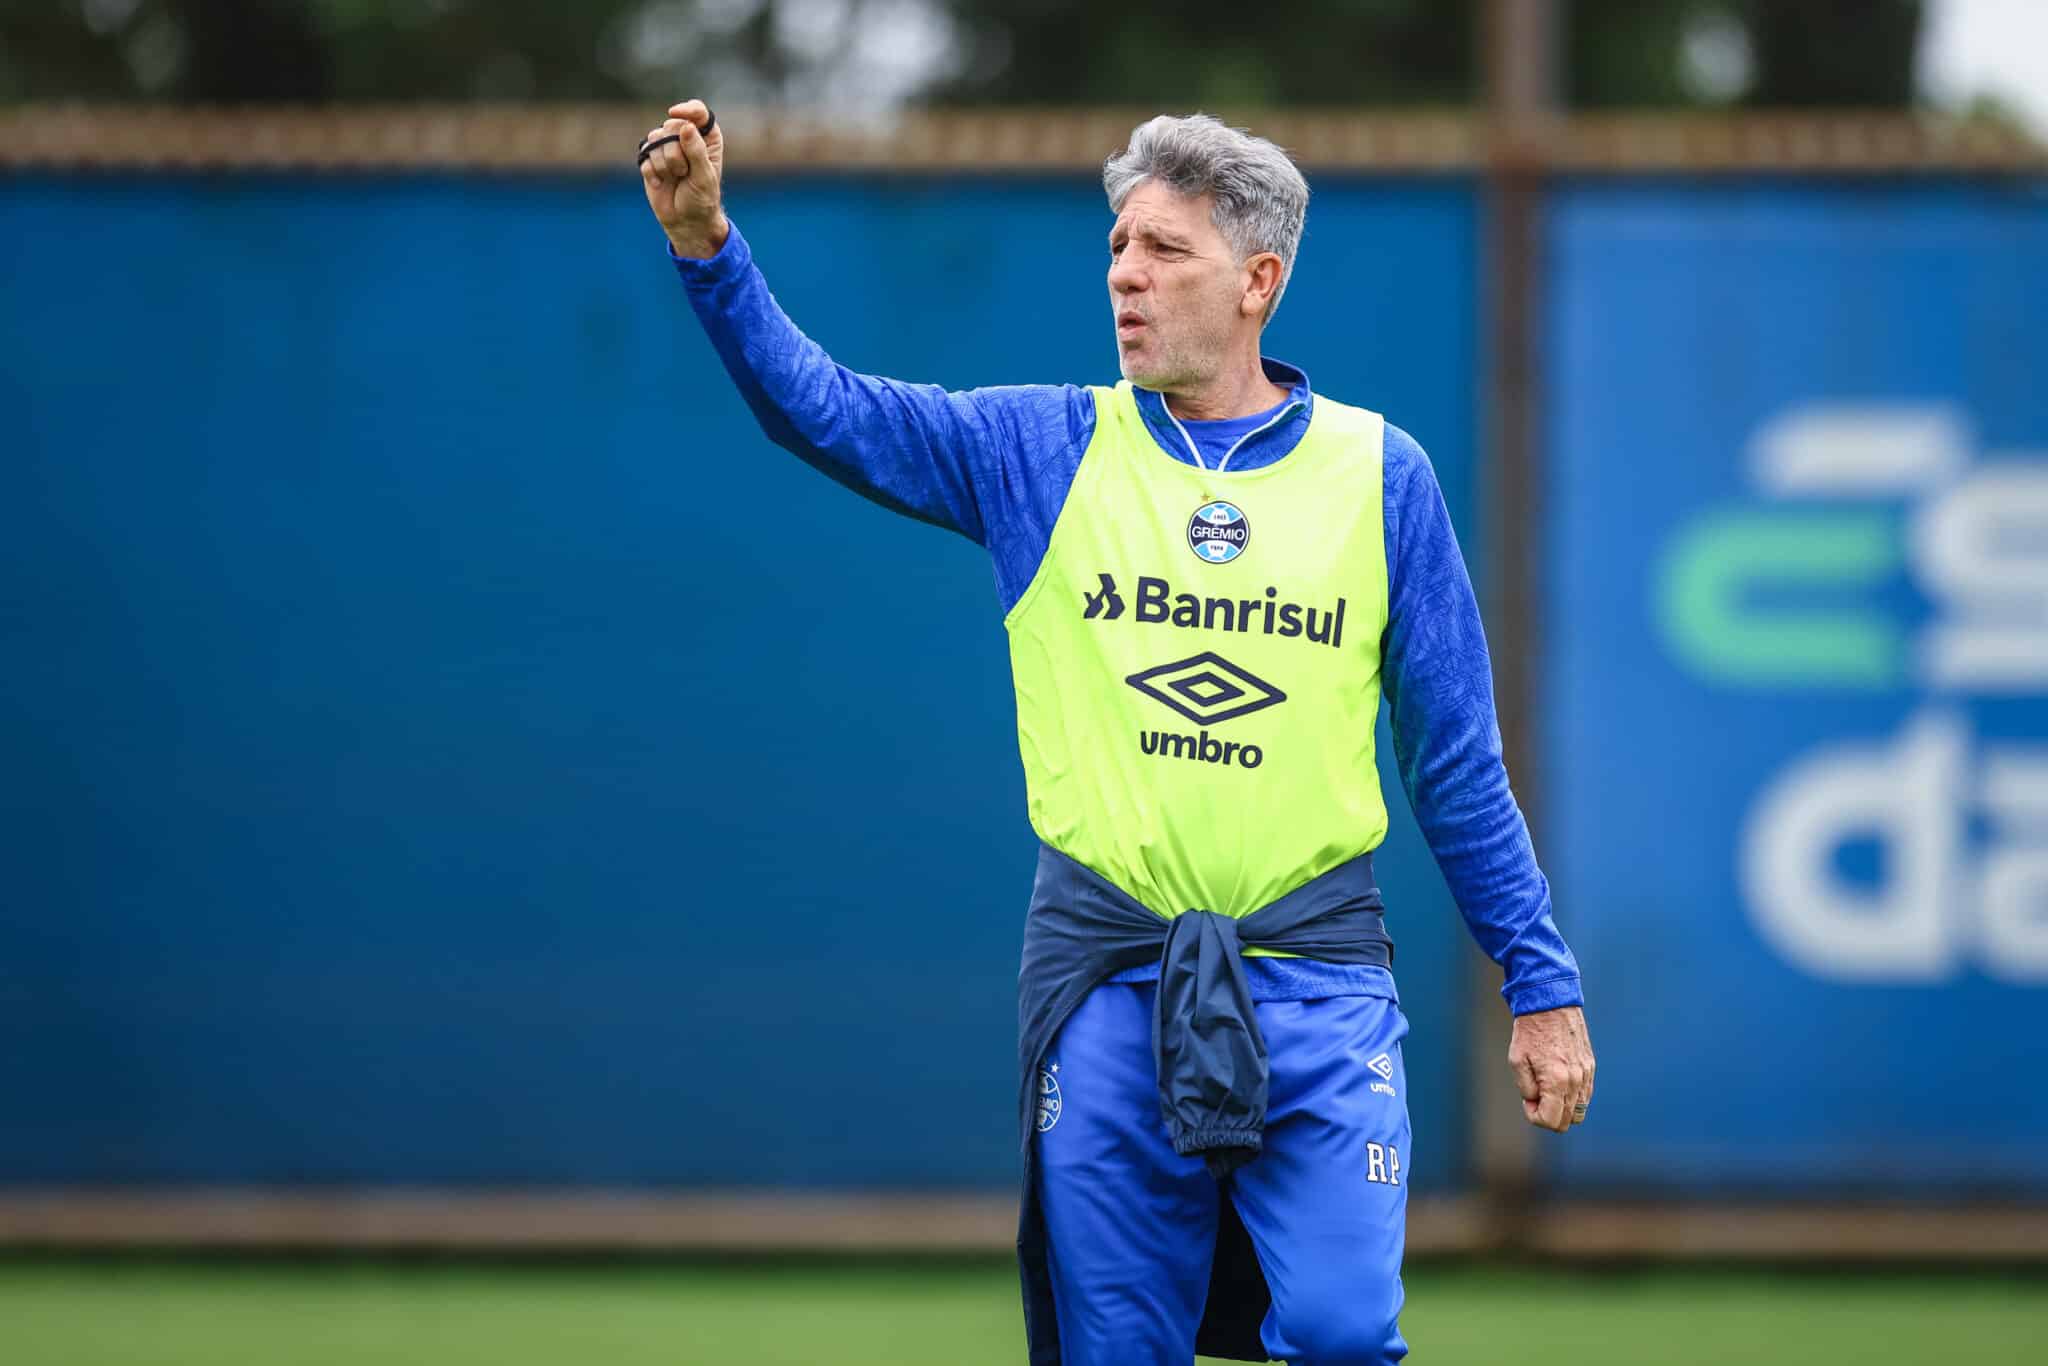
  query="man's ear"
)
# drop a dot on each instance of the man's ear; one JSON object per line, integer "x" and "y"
{"x": 1262, "y": 278}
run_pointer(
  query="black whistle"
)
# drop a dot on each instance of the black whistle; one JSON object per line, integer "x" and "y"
{"x": 710, "y": 122}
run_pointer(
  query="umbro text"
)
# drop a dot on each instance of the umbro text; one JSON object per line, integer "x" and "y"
{"x": 1202, "y": 747}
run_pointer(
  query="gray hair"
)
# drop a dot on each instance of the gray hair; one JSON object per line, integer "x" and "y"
{"x": 1261, "y": 200}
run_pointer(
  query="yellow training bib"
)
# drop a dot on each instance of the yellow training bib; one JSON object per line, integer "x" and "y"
{"x": 1197, "y": 664}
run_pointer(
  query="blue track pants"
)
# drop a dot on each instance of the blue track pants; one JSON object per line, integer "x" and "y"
{"x": 1132, "y": 1224}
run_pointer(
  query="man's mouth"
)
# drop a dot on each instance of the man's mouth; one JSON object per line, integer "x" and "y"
{"x": 1129, "y": 318}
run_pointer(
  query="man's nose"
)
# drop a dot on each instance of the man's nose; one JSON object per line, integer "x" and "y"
{"x": 1126, "y": 278}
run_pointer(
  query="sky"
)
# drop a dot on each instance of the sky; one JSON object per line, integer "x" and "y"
{"x": 1988, "y": 47}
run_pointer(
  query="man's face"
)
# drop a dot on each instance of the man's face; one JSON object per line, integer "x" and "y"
{"x": 1175, "y": 288}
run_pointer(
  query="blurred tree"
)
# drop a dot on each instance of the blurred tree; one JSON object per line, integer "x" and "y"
{"x": 1217, "y": 52}
{"x": 865, "y": 54}
{"x": 1760, "y": 53}
{"x": 1851, "y": 53}
{"x": 1623, "y": 53}
{"x": 317, "y": 50}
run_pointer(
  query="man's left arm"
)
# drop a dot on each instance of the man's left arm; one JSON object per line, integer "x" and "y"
{"x": 1438, "y": 680}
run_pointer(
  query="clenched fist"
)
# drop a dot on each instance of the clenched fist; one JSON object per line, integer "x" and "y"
{"x": 682, "y": 176}
{"x": 1552, "y": 1058}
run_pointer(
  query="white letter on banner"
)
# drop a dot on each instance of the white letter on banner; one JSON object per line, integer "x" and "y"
{"x": 1908, "y": 796}
{"x": 2015, "y": 879}
{"x": 1981, "y": 551}
{"x": 1859, "y": 449}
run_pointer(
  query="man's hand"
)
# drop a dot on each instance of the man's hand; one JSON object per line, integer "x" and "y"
{"x": 1552, "y": 1056}
{"x": 682, "y": 180}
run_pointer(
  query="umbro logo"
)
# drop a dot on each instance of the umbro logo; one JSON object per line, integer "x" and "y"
{"x": 1207, "y": 688}
{"x": 1383, "y": 1065}
{"x": 1105, "y": 604}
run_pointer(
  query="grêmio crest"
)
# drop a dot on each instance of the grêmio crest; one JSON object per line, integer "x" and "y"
{"x": 1218, "y": 532}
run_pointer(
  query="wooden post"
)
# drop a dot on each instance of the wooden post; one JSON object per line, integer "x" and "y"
{"x": 1521, "y": 64}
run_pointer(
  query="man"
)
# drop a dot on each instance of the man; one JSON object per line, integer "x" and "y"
{"x": 1208, "y": 574}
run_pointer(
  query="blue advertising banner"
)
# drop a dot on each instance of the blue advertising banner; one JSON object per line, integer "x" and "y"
{"x": 446, "y": 743}
{"x": 1796, "y": 687}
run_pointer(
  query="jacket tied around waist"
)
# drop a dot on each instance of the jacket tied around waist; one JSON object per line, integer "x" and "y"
{"x": 1206, "y": 1044}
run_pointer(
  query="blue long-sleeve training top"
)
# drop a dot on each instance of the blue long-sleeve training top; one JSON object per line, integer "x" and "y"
{"x": 995, "y": 465}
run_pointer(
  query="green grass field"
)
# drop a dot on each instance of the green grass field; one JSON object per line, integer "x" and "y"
{"x": 83, "y": 1313}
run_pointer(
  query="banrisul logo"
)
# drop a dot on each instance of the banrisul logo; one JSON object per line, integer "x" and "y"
{"x": 1105, "y": 602}
{"x": 1218, "y": 532}
{"x": 1268, "y": 614}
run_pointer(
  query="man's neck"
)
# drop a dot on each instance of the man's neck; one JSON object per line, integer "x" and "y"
{"x": 1238, "y": 392}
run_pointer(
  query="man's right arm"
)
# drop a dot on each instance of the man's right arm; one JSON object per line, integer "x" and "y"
{"x": 916, "y": 448}
{"x": 981, "y": 462}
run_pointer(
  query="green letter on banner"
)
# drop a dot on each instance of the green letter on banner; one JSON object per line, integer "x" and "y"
{"x": 1714, "y": 568}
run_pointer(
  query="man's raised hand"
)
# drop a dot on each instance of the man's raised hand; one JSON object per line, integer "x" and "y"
{"x": 681, "y": 175}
